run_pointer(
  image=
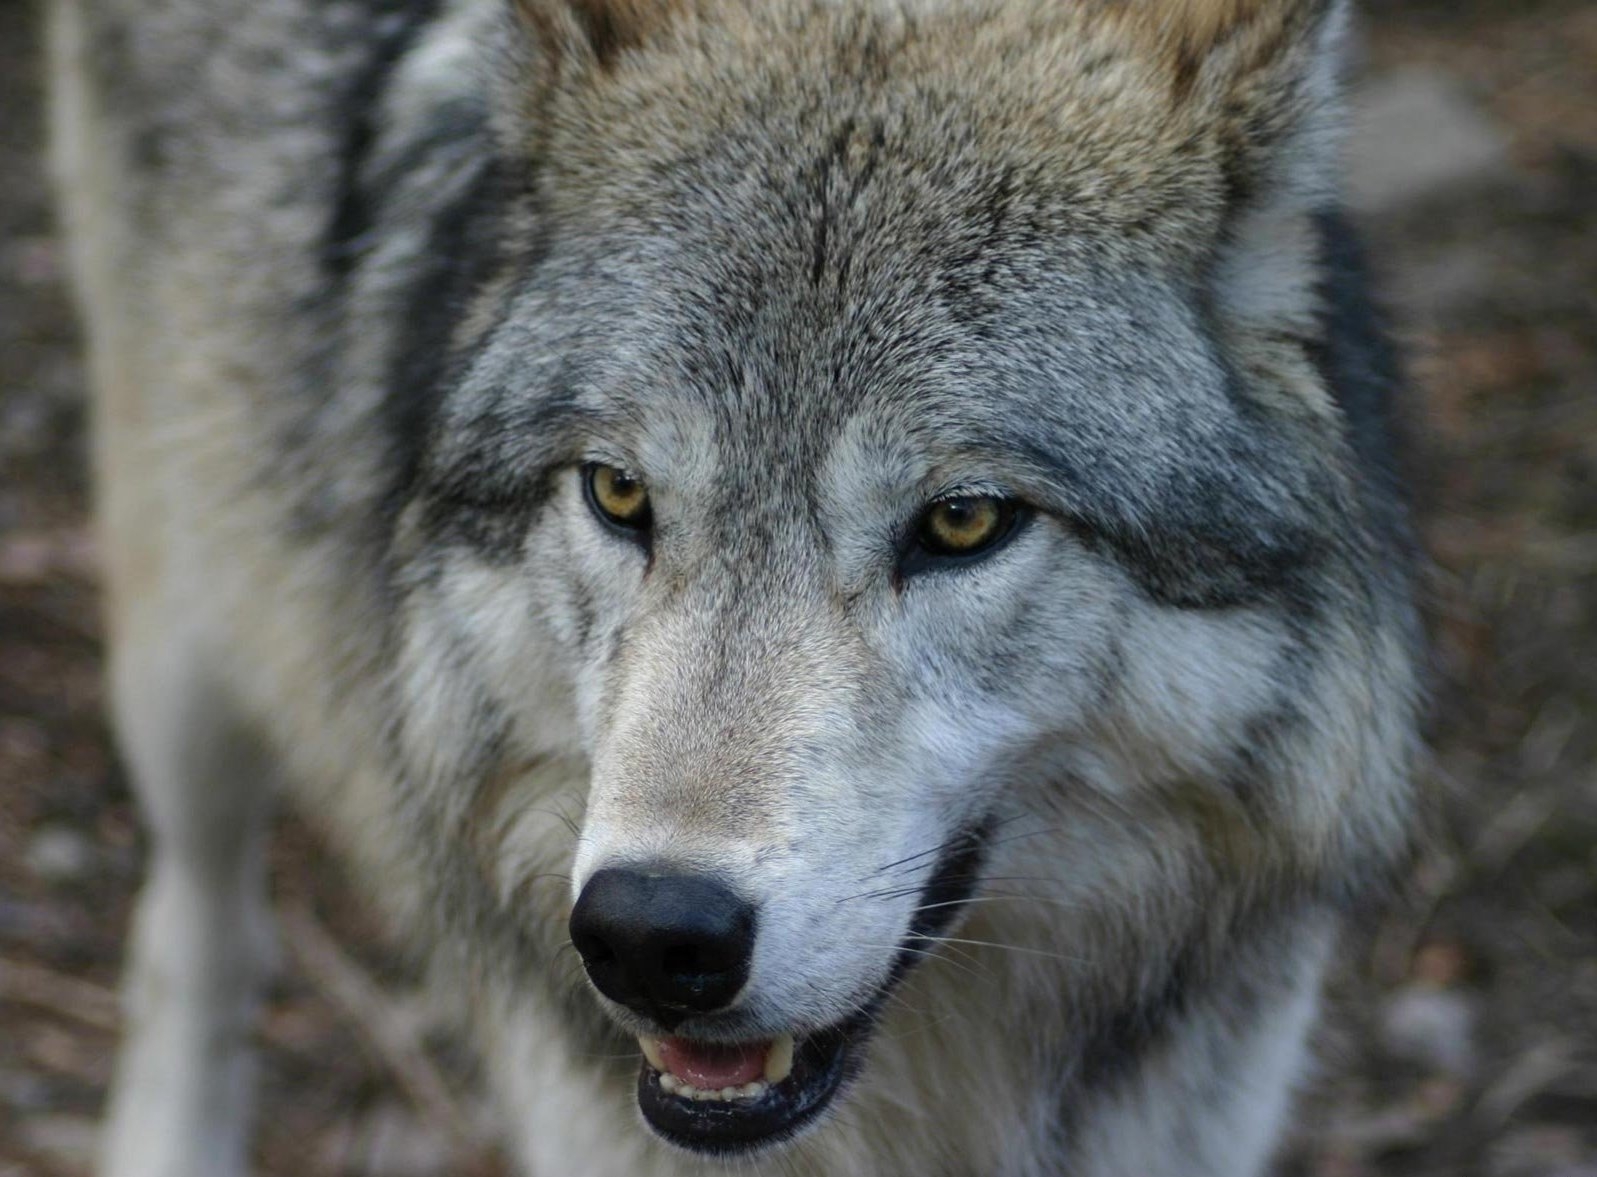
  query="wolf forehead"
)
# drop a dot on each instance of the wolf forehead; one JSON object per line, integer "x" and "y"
{"x": 1108, "y": 115}
{"x": 880, "y": 232}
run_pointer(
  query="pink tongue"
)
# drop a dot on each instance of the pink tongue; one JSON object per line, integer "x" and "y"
{"x": 713, "y": 1064}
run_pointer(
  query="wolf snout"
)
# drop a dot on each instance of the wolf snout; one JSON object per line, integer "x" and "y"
{"x": 663, "y": 944}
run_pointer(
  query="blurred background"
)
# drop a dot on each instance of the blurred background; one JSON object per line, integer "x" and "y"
{"x": 1462, "y": 1030}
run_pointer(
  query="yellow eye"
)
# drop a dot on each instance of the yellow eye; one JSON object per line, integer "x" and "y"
{"x": 965, "y": 526}
{"x": 617, "y": 497}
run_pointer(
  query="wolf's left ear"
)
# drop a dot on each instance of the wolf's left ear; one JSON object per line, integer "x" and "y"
{"x": 1266, "y": 75}
{"x": 546, "y": 46}
{"x": 1266, "y": 79}
{"x": 593, "y": 31}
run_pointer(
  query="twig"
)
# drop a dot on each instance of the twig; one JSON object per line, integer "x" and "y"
{"x": 1533, "y": 1072}
{"x": 44, "y": 988}
{"x": 385, "y": 1032}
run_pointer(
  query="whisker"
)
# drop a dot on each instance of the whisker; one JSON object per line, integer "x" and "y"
{"x": 934, "y": 954}
{"x": 883, "y": 893}
{"x": 1027, "y": 834}
{"x": 902, "y": 861}
{"x": 912, "y": 862}
{"x": 921, "y": 1025}
{"x": 1019, "y": 879}
{"x": 937, "y": 849}
{"x": 562, "y": 818}
{"x": 1003, "y": 947}
{"x": 887, "y": 893}
{"x": 921, "y": 1022}
{"x": 1000, "y": 897}
{"x": 996, "y": 842}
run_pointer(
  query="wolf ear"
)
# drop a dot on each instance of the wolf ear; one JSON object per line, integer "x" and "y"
{"x": 1265, "y": 74}
{"x": 547, "y": 46}
{"x": 1266, "y": 77}
{"x": 593, "y": 31}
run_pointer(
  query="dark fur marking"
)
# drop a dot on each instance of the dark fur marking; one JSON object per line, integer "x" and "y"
{"x": 839, "y": 159}
{"x": 1227, "y": 967}
{"x": 488, "y": 494}
{"x": 968, "y": 276}
{"x": 462, "y": 251}
{"x": 1248, "y": 779}
{"x": 821, "y": 183}
{"x": 1359, "y": 365}
{"x": 604, "y": 33}
{"x": 583, "y": 612}
{"x": 395, "y": 25}
{"x": 489, "y": 517}
{"x": 1196, "y": 546}
{"x": 612, "y": 27}
{"x": 1121, "y": 1038}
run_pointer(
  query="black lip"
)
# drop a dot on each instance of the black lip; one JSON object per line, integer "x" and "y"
{"x": 823, "y": 1062}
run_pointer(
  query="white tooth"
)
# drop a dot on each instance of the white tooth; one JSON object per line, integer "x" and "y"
{"x": 651, "y": 1052}
{"x": 706, "y": 1095}
{"x": 669, "y": 1082}
{"x": 730, "y": 1092}
{"x": 779, "y": 1060}
{"x": 688, "y": 1091}
{"x": 750, "y": 1090}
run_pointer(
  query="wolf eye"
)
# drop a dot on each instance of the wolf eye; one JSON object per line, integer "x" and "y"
{"x": 960, "y": 528}
{"x": 618, "y": 498}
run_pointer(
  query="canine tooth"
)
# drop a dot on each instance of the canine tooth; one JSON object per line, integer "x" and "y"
{"x": 669, "y": 1083}
{"x": 779, "y": 1060}
{"x": 651, "y": 1052}
{"x": 750, "y": 1090}
{"x": 688, "y": 1091}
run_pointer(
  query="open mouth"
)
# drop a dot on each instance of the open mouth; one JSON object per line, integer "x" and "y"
{"x": 712, "y": 1097}
{"x": 733, "y": 1097}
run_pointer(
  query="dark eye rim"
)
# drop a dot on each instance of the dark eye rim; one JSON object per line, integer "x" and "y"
{"x": 636, "y": 530}
{"x": 915, "y": 557}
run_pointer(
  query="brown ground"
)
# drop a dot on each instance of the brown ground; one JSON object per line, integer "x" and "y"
{"x": 1463, "y": 1039}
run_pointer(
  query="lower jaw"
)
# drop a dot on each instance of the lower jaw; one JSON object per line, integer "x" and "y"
{"x": 822, "y": 1064}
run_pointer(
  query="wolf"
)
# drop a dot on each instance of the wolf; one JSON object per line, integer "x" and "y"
{"x": 851, "y": 553}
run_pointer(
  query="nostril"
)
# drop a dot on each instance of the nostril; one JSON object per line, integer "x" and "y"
{"x": 683, "y": 959}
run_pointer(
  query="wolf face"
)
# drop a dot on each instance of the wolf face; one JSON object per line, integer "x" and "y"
{"x": 883, "y": 467}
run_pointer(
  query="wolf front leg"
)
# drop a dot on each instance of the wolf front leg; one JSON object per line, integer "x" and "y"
{"x": 201, "y": 940}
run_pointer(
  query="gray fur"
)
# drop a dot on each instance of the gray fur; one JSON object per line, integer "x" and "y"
{"x": 366, "y": 282}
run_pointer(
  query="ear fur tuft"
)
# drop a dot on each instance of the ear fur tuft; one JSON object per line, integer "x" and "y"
{"x": 600, "y": 30}
{"x": 613, "y": 26}
{"x": 547, "y": 46}
{"x": 1201, "y": 24}
{"x": 1227, "y": 44}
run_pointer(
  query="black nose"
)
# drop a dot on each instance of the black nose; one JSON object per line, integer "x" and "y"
{"x": 663, "y": 944}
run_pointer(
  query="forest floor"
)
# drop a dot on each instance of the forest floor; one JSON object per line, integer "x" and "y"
{"x": 1461, "y": 1039}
